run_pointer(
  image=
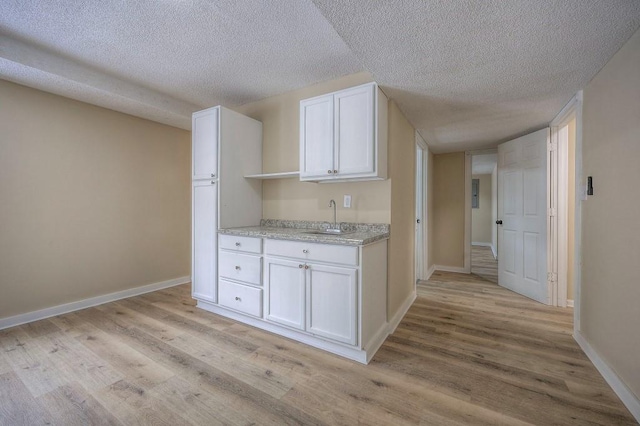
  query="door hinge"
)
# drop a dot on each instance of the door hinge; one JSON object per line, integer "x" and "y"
{"x": 551, "y": 212}
{"x": 552, "y": 146}
{"x": 552, "y": 277}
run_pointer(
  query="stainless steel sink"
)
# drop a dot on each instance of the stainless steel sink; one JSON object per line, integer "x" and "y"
{"x": 329, "y": 232}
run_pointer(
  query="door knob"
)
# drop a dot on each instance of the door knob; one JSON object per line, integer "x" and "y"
{"x": 418, "y": 220}
{"x": 499, "y": 222}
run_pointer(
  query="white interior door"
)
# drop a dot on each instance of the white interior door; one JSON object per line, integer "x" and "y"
{"x": 522, "y": 215}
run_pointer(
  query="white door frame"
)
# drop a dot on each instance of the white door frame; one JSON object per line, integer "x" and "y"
{"x": 468, "y": 173}
{"x": 422, "y": 247}
{"x": 558, "y": 196}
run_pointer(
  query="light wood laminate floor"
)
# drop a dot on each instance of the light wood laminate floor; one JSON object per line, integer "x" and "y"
{"x": 468, "y": 352}
{"x": 483, "y": 264}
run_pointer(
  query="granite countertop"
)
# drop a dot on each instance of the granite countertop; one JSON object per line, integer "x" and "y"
{"x": 356, "y": 234}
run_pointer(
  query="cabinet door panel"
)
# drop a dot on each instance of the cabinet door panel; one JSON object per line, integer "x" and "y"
{"x": 205, "y": 199}
{"x": 285, "y": 292}
{"x": 355, "y": 131}
{"x": 316, "y": 137}
{"x": 332, "y": 303}
{"x": 205, "y": 144}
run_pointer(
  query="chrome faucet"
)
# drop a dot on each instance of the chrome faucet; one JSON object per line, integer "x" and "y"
{"x": 332, "y": 203}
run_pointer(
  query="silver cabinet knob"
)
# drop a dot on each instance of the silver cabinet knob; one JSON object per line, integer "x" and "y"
{"x": 329, "y": 171}
{"x": 335, "y": 172}
{"x": 305, "y": 251}
{"x": 212, "y": 182}
{"x": 237, "y": 268}
{"x": 238, "y": 299}
{"x": 237, "y": 244}
{"x": 306, "y": 266}
{"x": 300, "y": 266}
{"x": 212, "y": 175}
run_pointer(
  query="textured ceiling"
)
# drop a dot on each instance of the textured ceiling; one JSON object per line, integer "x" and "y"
{"x": 167, "y": 58}
{"x": 466, "y": 73}
{"x": 471, "y": 73}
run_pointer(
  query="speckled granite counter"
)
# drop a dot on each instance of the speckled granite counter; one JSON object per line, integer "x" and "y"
{"x": 356, "y": 234}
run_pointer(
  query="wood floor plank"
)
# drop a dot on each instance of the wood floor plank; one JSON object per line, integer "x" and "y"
{"x": 18, "y": 406}
{"x": 132, "y": 404}
{"x": 73, "y": 405}
{"x": 30, "y": 363}
{"x": 40, "y": 328}
{"x": 138, "y": 369}
{"x": 75, "y": 362}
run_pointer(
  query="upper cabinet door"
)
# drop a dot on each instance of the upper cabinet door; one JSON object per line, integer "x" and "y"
{"x": 343, "y": 135}
{"x": 316, "y": 138}
{"x": 355, "y": 132}
{"x": 204, "y": 129}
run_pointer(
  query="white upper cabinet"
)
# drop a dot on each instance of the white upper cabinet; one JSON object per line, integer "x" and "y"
{"x": 204, "y": 127}
{"x": 343, "y": 135}
{"x": 316, "y": 130}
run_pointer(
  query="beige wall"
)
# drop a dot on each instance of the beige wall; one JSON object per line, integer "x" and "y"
{"x": 402, "y": 171}
{"x": 295, "y": 200}
{"x": 610, "y": 292}
{"x": 389, "y": 201}
{"x": 92, "y": 201}
{"x": 448, "y": 209}
{"x": 481, "y": 217}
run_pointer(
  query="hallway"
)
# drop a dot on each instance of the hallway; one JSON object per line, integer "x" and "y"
{"x": 483, "y": 263}
{"x": 504, "y": 353}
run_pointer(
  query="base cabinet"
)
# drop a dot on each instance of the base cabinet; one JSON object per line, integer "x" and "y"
{"x": 332, "y": 302}
{"x": 285, "y": 292}
{"x": 333, "y": 297}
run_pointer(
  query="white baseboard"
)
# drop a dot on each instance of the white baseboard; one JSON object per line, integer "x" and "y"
{"x": 395, "y": 321}
{"x": 569, "y": 303}
{"x": 493, "y": 249}
{"x": 629, "y": 399}
{"x": 458, "y": 269}
{"x": 430, "y": 272}
{"x": 481, "y": 244}
{"x": 87, "y": 303}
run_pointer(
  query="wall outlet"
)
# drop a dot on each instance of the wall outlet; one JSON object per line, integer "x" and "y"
{"x": 347, "y": 201}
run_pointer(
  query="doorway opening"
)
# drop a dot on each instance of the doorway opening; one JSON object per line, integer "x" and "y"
{"x": 421, "y": 220}
{"x": 564, "y": 206}
{"x": 484, "y": 213}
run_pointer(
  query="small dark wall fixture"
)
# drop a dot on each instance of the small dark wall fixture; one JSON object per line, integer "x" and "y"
{"x": 589, "y": 185}
{"x": 475, "y": 193}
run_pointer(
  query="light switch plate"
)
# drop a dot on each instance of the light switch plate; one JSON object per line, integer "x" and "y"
{"x": 347, "y": 201}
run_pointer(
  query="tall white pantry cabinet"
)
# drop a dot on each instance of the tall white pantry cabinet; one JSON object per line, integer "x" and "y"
{"x": 226, "y": 146}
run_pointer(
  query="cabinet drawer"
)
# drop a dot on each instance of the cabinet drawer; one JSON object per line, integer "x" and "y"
{"x": 330, "y": 253}
{"x": 246, "y": 244}
{"x": 240, "y": 297}
{"x": 240, "y": 267}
